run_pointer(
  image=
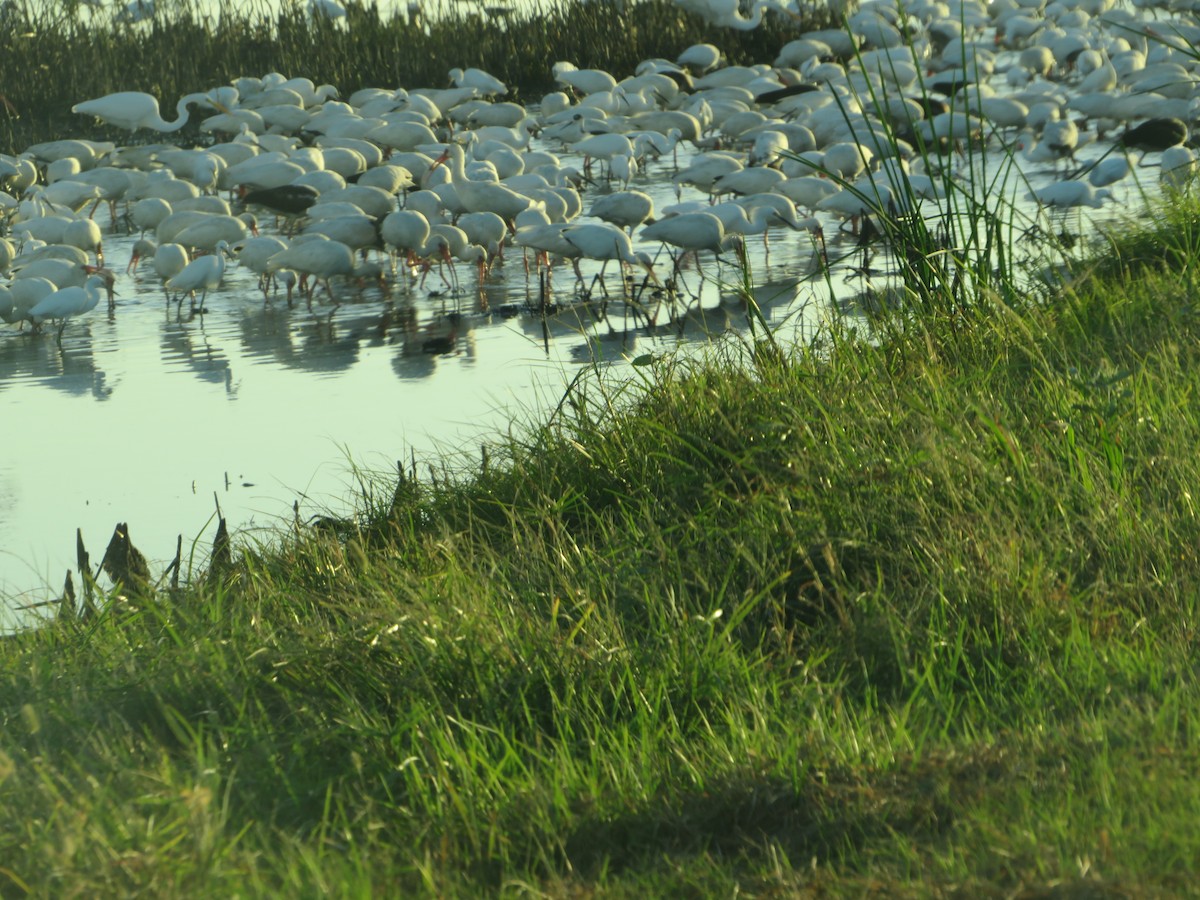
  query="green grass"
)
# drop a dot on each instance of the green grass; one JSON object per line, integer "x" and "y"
{"x": 907, "y": 617}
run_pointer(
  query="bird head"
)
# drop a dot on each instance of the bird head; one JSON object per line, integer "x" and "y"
{"x": 107, "y": 276}
{"x": 647, "y": 262}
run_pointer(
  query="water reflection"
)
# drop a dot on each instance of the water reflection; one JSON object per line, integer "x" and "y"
{"x": 266, "y": 334}
{"x": 311, "y": 379}
{"x": 69, "y": 366}
{"x": 327, "y": 344}
{"x": 187, "y": 347}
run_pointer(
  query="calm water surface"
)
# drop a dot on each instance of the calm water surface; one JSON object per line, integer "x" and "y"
{"x": 148, "y": 416}
{"x": 144, "y": 414}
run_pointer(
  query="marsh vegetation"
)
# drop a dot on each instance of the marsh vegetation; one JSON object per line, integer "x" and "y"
{"x": 907, "y": 607}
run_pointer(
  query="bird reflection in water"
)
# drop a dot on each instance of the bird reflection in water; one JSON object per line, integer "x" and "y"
{"x": 445, "y": 335}
{"x": 613, "y": 346}
{"x": 191, "y": 349}
{"x": 69, "y": 367}
{"x": 266, "y": 334}
{"x": 314, "y": 343}
{"x": 330, "y": 344}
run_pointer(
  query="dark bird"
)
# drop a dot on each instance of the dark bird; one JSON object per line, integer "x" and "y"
{"x": 285, "y": 200}
{"x": 683, "y": 79}
{"x": 1154, "y": 135}
{"x": 933, "y": 106}
{"x": 950, "y": 86}
{"x": 781, "y": 93}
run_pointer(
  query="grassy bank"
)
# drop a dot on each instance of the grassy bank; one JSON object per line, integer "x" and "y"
{"x": 47, "y": 60}
{"x": 916, "y": 618}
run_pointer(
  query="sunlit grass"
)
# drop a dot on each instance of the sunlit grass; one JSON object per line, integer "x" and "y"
{"x": 906, "y": 617}
{"x": 910, "y": 615}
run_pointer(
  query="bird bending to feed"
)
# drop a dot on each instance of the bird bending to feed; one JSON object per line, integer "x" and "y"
{"x": 605, "y": 242}
{"x": 68, "y": 302}
{"x": 285, "y": 200}
{"x": 485, "y": 83}
{"x": 202, "y": 274}
{"x": 322, "y": 259}
{"x": 1155, "y": 135}
{"x": 1065, "y": 194}
{"x": 691, "y": 232}
{"x": 626, "y": 209}
{"x": 134, "y": 110}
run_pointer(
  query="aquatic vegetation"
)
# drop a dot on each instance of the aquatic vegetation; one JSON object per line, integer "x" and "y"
{"x": 762, "y": 621}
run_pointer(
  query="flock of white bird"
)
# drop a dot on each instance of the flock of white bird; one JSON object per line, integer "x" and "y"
{"x": 422, "y": 179}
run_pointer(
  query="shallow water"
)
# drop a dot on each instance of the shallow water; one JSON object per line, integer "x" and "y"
{"x": 149, "y": 416}
{"x": 144, "y": 413}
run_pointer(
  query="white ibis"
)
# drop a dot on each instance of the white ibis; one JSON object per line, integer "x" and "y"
{"x": 169, "y": 260}
{"x": 691, "y": 232}
{"x": 62, "y": 305}
{"x": 704, "y": 170}
{"x": 846, "y": 160}
{"x": 1108, "y": 171}
{"x": 1177, "y": 166}
{"x": 148, "y": 212}
{"x": 584, "y": 81}
{"x": 1070, "y": 193}
{"x": 404, "y": 231}
{"x": 546, "y": 240}
{"x": 84, "y": 234}
{"x": 699, "y": 58}
{"x": 441, "y": 247}
{"x": 626, "y": 209}
{"x": 855, "y": 202}
{"x": 143, "y": 248}
{"x": 321, "y": 259}
{"x": 22, "y": 295}
{"x": 202, "y": 274}
{"x": 7, "y": 254}
{"x": 374, "y": 201}
{"x": 807, "y": 190}
{"x": 604, "y": 242}
{"x": 358, "y": 232}
{"x": 43, "y": 228}
{"x": 753, "y": 180}
{"x": 748, "y": 219}
{"x": 205, "y": 230}
{"x": 486, "y": 84}
{"x": 63, "y": 272}
{"x": 477, "y": 196}
{"x": 602, "y": 146}
{"x": 388, "y": 177}
{"x": 255, "y": 253}
{"x": 1060, "y": 139}
{"x": 484, "y": 228}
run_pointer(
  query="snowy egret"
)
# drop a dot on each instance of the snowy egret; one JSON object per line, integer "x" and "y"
{"x": 134, "y": 110}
